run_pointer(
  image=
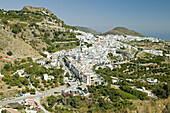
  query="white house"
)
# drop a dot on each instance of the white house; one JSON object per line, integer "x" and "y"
{"x": 20, "y": 73}
{"x": 151, "y": 51}
{"x": 41, "y": 62}
{"x": 29, "y": 102}
{"x": 47, "y": 53}
{"x": 1, "y": 75}
{"x": 130, "y": 80}
{"x": 53, "y": 63}
{"x": 159, "y": 52}
{"x": 87, "y": 78}
{"x": 66, "y": 79}
{"x": 139, "y": 89}
{"x": 50, "y": 77}
{"x": 148, "y": 93}
{"x": 46, "y": 77}
{"x": 114, "y": 81}
{"x": 151, "y": 80}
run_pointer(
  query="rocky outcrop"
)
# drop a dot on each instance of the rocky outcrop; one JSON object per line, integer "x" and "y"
{"x": 34, "y": 9}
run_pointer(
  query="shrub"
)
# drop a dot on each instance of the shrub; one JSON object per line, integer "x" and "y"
{"x": 9, "y": 53}
{"x": 5, "y": 21}
{"x": 7, "y": 67}
{"x": 1, "y": 93}
{"x": 42, "y": 89}
{"x": 137, "y": 93}
{"x": 162, "y": 90}
{"x": 4, "y": 111}
{"x": 9, "y": 87}
{"x": 16, "y": 28}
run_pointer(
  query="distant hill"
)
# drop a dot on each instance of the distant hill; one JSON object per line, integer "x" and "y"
{"x": 123, "y": 31}
{"x": 87, "y": 30}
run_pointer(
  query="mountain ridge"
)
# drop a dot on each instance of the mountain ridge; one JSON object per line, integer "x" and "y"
{"x": 87, "y": 30}
{"x": 115, "y": 31}
{"x": 123, "y": 31}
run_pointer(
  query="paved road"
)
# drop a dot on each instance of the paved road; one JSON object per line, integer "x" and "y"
{"x": 36, "y": 97}
{"x": 37, "y": 100}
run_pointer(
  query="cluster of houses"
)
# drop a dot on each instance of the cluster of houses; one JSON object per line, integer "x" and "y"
{"x": 152, "y": 51}
{"x": 81, "y": 71}
{"x": 128, "y": 38}
{"x": 28, "y": 103}
{"x": 147, "y": 92}
{"x": 46, "y": 77}
{"x": 152, "y": 81}
{"x": 81, "y": 90}
{"x": 81, "y": 60}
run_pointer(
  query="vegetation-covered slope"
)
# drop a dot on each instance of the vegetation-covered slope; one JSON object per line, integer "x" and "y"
{"x": 123, "y": 31}
{"x": 31, "y": 31}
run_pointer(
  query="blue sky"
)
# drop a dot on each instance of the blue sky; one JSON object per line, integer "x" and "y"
{"x": 149, "y": 17}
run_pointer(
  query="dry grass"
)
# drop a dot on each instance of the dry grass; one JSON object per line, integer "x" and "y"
{"x": 158, "y": 106}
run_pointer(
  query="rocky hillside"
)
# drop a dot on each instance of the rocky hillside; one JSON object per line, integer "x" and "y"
{"x": 31, "y": 31}
{"x": 123, "y": 31}
{"x": 34, "y": 9}
{"x": 18, "y": 47}
{"x": 88, "y": 30}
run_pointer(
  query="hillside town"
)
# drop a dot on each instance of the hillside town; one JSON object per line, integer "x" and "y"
{"x": 80, "y": 61}
{"x": 73, "y": 71}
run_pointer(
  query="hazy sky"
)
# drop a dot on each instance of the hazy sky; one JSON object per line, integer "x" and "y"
{"x": 150, "y": 17}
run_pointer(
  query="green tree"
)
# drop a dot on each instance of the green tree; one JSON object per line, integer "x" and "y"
{"x": 67, "y": 74}
{"x": 51, "y": 100}
{"x": 75, "y": 102}
{"x": 9, "y": 53}
{"x": 162, "y": 90}
{"x": 23, "y": 60}
{"x": 4, "y": 111}
{"x": 5, "y": 21}
{"x": 32, "y": 90}
{"x": 7, "y": 67}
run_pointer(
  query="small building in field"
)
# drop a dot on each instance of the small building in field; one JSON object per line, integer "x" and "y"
{"x": 151, "y": 80}
{"x": 29, "y": 102}
{"x": 46, "y": 77}
{"x": 148, "y": 93}
{"x": 41, "y": 62}
{"x": 20, "y": 73}
{"x": 1, "y": 75}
